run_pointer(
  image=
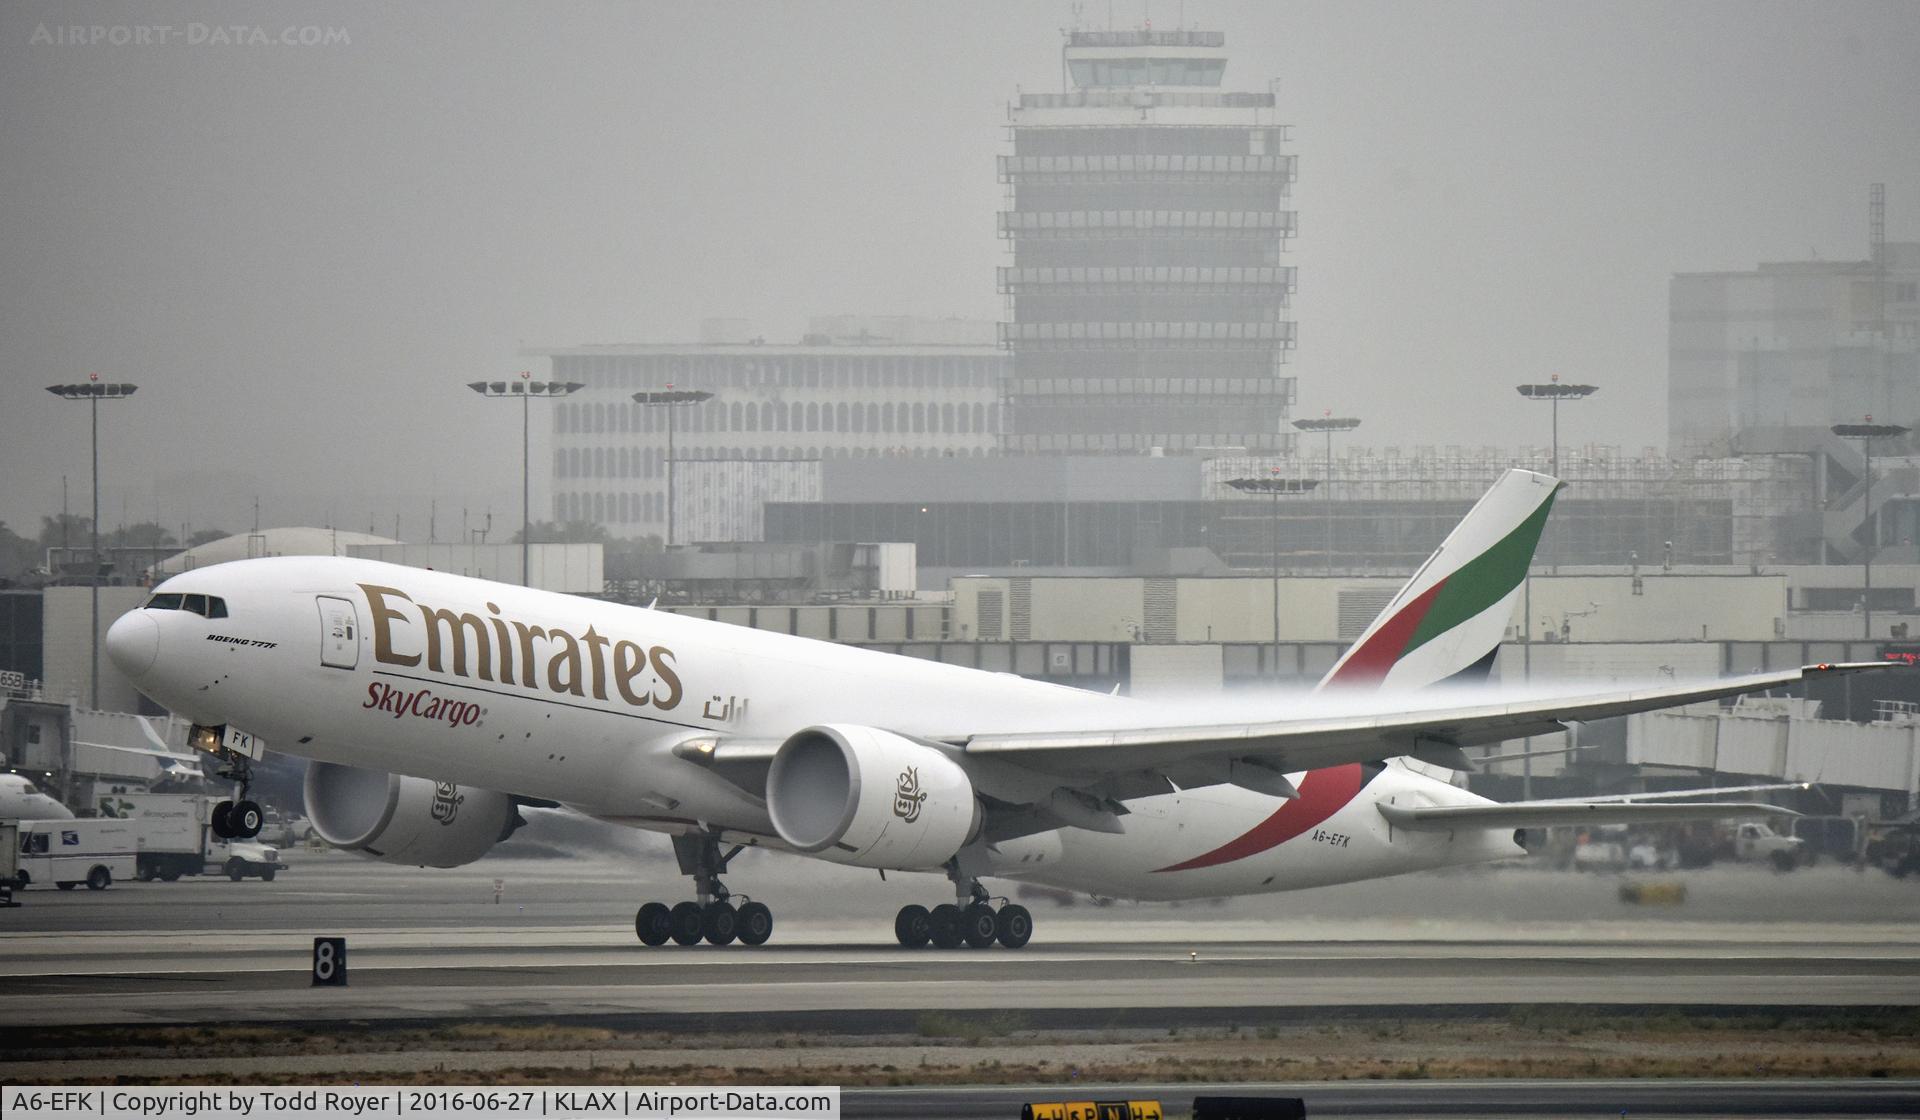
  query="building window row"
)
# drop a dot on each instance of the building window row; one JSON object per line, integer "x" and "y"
{"x": 650, "y": 463}
{"x": 788, "y": 371}
{"x": 977, "y": 418}
{"x": 624, "y": 507}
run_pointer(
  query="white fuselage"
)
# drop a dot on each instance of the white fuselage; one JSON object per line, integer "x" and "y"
{"x": 20, "y": 799}
{"x": 579, "y": 701}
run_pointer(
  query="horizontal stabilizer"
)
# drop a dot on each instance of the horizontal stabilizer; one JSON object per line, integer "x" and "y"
{"x": 1535, "y": 814}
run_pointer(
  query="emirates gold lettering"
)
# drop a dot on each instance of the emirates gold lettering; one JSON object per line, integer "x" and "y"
{"x": 467, "y": 645}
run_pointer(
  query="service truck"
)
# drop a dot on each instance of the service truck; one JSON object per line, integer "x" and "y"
{"x": 67, "y": 853}
{"x": 1754, "y": 842}
{"x": 176, "y": 840}
{"x": 9, "y": 861}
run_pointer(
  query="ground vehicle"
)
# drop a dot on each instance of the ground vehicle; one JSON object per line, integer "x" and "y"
{"x": 67, "y": 853}
{"x": 9, "y": 861}
{"x": 1753, "y": 841}
{"x": 246, "y": 857}
{"x": 1834, "y": 837}
{"x": 1894, "y": 847}
{"x": 175, "y": 838}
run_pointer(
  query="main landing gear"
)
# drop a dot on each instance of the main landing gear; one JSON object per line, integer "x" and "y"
{"x": 238, "y": 819}
{"x": 970, "y": 920}
{"x": 713, "y": 918}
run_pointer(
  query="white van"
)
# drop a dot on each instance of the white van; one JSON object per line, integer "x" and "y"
{"x": 70, "y": 852}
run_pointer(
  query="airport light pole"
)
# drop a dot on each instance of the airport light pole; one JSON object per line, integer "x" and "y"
{"x": 670, "y": 399}
{"x": 1553, "y": 392}
{"x": 93, "y": 391}
{"x": 526, "y": 389}
{"x": 1328, "y": 424}
{"x": 1276, "y": 486}
{"x": 1866, "y": 433}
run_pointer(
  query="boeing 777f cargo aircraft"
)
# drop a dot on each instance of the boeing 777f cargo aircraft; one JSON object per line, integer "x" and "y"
{"x": 433, "y": 707}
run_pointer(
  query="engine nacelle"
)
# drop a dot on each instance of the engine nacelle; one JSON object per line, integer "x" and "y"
{"x": 867, "y": 797}
{"x": 397, "y": 819}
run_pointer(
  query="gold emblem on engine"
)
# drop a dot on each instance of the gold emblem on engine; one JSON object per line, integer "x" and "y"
{"x": 447, "y": 799}
{"x": 907, "y": 795}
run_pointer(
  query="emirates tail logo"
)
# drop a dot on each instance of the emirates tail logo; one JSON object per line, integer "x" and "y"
{"x": 447, "y": 799}
{"x": 907, "y": 795}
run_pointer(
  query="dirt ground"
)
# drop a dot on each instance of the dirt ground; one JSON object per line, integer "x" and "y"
{"x": 952, "y": 1049}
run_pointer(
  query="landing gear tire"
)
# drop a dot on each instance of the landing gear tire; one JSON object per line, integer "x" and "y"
{"x": 943, "y": 926}
{"x": 753, "y": 924}
{"x": 719, "y": 923}
{"x": 221, "y": 827}
{"x": 689, "y": 923}
{"x": 245, "y": 819}
{"x": 1013, "y": 926}
{"x": 913, "y": 926}
{"x": 978, "y": 926}
{"x": 99, "y": 879}
{"x": 653, "y": 924}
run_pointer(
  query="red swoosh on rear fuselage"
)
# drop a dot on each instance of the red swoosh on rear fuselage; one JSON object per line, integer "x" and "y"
{"x": 1322, "y": 794}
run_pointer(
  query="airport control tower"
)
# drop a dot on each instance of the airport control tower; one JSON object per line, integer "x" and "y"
{"x": 1147, "y": 214}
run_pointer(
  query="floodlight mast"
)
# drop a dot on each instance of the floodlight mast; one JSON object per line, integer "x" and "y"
{"x": 93, "y": 391}
{"x": 1276, "y": 486}
{"x": 1553, "y": 392}
{"x": 1866, "y": 433}
{"x": 1328, "y": 424}
{"x": 670, "y": 399}
{"x": 525, "y": 388}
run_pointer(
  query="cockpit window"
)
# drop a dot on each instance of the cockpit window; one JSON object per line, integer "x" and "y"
{"x": 209, "y": 606}
{"x": 29, "y": 789}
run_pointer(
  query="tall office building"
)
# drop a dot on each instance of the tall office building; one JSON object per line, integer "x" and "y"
{"x": 1791, "y": 345}
{"x": 1146, "y": 210}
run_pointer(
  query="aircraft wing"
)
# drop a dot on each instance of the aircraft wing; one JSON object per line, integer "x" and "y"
{"x": 1288, "y": 746}
{"x": 1547, "y": 814}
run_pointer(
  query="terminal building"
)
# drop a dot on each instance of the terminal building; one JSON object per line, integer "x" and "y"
{"x": 852, "y": 387}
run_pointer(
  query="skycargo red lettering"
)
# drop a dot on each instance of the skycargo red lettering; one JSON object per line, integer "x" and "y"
{"x": 420, "y": 704}
{"x": 461, "y": 644}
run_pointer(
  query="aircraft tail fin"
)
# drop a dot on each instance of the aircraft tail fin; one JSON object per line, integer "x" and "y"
{"x": 1446, "y": 623}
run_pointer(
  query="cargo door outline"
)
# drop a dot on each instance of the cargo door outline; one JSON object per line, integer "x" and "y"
{"x": 339, "y": 633}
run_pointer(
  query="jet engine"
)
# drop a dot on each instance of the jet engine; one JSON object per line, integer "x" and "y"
{"x": 398, "y": 819}
{"x": 871, "y": 798}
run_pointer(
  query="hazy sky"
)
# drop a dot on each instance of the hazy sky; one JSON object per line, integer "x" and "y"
{"x": 300, "y": 253}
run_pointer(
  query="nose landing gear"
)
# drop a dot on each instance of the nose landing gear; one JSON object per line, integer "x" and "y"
{"x": 712, "y": 918}
{"x": 237, "y": 819}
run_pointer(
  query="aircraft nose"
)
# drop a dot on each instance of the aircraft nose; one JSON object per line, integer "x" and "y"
{"x": 133, "y": 642}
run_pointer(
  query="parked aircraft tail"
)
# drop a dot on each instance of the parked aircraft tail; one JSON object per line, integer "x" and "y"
{"x": 1447, "y": 622}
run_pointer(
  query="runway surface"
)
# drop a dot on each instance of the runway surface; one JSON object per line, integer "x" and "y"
{"x": 434, "y": 945}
